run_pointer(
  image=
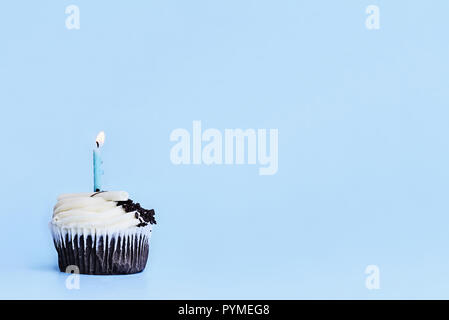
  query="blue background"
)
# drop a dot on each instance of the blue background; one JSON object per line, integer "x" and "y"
{"x": 363, "y": 149}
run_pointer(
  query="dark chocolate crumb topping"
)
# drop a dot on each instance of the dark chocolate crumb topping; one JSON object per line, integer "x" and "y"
{"x": 145, "y": 216}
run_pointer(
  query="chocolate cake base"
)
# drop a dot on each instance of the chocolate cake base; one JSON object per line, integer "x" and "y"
{"x": 105, "y": 255}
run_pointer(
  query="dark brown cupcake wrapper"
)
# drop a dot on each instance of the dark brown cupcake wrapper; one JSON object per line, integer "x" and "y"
{"x": 107, "y": 253}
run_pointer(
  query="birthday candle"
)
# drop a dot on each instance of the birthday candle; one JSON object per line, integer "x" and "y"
{"x": 98, "y": 170}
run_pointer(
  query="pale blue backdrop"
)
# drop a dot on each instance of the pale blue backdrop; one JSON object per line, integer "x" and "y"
{"x": 363, "y": 143}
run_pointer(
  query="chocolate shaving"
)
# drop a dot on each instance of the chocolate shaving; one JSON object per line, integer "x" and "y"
{"x": 96, "y": 192}
{"x": 142, "y": 214}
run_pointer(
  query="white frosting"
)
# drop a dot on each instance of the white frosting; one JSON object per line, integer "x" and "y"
{"x": 65, "y": 236}
{"x": 93, "y": 211}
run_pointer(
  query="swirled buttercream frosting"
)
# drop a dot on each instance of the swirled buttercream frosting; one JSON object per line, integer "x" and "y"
{"x": 111, "y": 210}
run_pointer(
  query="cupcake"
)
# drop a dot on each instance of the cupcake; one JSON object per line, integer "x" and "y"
{"x": 101, "y": 232}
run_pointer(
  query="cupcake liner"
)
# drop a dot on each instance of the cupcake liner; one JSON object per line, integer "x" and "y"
{"x": 102, "y": 252}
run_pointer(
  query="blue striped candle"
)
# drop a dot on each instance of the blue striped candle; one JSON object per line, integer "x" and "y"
{"x": 98, "y": 170}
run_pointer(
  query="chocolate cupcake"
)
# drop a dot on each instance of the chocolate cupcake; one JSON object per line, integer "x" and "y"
{"x": 101, "y": 232}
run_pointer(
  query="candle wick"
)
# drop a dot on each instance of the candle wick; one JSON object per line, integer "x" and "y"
{"x": 98, "y": 145}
